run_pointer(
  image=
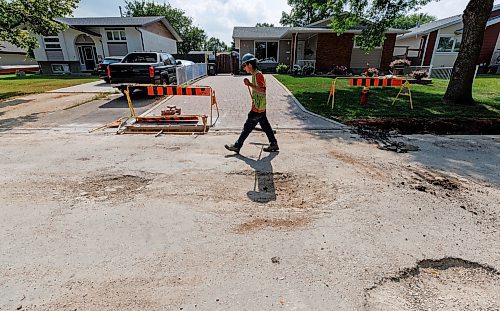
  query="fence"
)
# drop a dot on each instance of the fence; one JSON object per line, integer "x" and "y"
{"x": 435, "y": 72}
{"x": 186, "y": 74}
{"x": 306, "y": 62}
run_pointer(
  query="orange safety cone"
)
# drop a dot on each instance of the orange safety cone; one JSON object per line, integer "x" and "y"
{"x": 364, "y": 96}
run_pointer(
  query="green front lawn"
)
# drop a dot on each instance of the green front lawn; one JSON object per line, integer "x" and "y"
{"x": 313, "y": 93}
{"x": 11, "y": 86}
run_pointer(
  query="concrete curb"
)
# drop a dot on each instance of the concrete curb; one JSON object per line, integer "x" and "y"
{"x": 343, "y": 126}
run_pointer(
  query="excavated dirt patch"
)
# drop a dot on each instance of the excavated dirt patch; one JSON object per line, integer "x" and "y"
{"x": 438, "y": 180}
{"x": 274, "y": 223}
{"x": 120, "y": 294}
{"x": 106, "y": 187}
{"x": 433, "y": 126}
{"x": 447, "y": 284}
{"x": 284, "y": 190}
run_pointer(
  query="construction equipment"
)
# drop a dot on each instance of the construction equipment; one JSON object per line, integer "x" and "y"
{"x": 171, "y": 121}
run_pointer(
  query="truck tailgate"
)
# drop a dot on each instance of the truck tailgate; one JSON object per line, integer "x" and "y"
{"x": 130, "y": 73}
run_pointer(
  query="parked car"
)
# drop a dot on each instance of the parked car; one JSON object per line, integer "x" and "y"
{"x": 181, "y": 62}
{"x": 143, "y": 68}
{"x": 102, "y": 68}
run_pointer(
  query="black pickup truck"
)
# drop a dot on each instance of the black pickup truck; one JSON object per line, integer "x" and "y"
{"x": 143, "y": 68}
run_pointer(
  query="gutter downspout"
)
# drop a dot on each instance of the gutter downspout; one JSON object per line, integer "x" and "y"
{"x": 142, "y": 38}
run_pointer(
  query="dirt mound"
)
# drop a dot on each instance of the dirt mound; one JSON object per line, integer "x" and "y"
{"x": 447, "y": 284}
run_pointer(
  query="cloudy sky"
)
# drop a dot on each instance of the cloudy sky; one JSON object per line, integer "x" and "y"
{"x": 218, "y": 17}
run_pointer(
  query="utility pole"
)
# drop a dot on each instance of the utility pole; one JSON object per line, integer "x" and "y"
{"x": 121, "y": 14}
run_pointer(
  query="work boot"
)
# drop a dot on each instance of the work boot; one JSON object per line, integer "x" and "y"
{"x": 233, "y": 148}
{"x": 272, "y": 148}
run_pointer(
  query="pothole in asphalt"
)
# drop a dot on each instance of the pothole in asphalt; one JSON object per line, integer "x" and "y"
{"x": 447, "y": 284}
{"x": 104, "y": 188}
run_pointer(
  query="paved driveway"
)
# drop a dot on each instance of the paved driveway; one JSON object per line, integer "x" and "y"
{"x": 234, "y": 103}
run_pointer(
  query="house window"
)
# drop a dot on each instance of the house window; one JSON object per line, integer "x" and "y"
{"x": 116, "y": 35}
{"x": 266, "y": 50}
{"x": 51, "y": 43}
{"x": 449, "y": 44}
{"x": 458, "y": 44}
{"x": 60, "y": 68}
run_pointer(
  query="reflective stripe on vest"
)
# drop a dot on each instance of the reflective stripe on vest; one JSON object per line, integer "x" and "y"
{"x": 259, "y": 101}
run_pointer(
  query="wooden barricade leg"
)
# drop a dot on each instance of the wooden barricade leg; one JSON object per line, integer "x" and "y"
{"x": 405, "y": 86}
{"x": 332, "y": 93}
{"x": 129, "y": 101}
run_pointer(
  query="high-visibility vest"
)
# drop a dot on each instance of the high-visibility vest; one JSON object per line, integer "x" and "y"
{"x": 259, "y": 101}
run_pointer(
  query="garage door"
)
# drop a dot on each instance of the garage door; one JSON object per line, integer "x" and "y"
{"x": 117, "y": 49}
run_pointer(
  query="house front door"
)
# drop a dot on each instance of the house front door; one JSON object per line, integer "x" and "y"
{"x": 87, "y": 55}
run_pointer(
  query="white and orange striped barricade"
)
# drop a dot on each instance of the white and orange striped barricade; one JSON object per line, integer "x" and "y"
{"x": 188, "y": 122}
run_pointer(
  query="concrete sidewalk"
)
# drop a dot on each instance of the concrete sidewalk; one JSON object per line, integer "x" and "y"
{"x": 91, "y": 87}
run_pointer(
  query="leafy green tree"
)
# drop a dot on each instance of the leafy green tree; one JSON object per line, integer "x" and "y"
{"x": 193, "y": 40}
{"x": 214, "y": 44}
{"x": 412, "y": 20}
{"x": 20, "y": 18}
{"x": 306, "y": 12}
{"x": 264, "y": 25}
{"x": 379, "y": 15}
{"x": 193, "y": 37}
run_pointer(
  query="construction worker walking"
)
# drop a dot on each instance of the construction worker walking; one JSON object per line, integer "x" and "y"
{"x": 257, "y": 114}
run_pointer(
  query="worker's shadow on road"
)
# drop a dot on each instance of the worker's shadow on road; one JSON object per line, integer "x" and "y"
{"x": 264, "y": 190}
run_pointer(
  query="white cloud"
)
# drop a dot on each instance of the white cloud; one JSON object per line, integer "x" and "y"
{"x": 218, "y": 17}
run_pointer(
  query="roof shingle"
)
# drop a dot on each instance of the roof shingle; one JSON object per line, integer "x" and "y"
{"x": 108, "y": 21}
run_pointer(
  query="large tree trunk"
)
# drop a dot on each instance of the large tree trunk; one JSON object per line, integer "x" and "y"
{"x": 475, "y": 18}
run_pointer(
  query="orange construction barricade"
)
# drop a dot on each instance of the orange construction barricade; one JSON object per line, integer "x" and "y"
{"x": 176, "y": 123}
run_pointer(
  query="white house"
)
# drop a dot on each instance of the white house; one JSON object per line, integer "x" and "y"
{"x": 437, "y": 43}
{"x": 87, "y": 41}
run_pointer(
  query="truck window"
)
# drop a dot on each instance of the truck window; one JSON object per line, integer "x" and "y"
{"x": 164, "y": 59}
{"x": 172, "y": 59}
{"x": 141, "y": 58}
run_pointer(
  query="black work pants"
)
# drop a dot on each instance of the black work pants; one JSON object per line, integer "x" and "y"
{"x": 253, "y": 119}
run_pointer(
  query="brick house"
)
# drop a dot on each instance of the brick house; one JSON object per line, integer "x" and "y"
{"x": 87, "y": 41}
{"x": 315, "y": 44}
{"x": 437, "y": 43}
